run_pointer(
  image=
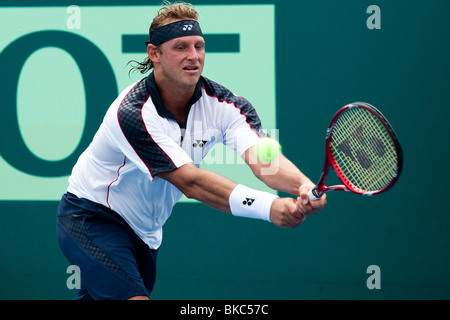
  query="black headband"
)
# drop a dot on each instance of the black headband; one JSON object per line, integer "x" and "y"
{"x": 174, "y": 30}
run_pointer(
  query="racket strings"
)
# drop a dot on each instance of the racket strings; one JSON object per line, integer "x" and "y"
{"x": 363, "y": 150}
{"x": 360, "y": 165}
{"x": 365, "y": 171}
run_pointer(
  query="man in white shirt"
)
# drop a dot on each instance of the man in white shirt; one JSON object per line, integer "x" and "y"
{"x": 145, "y": 156}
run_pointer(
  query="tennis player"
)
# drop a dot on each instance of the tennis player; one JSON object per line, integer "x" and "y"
{"x": 146, "y": 155}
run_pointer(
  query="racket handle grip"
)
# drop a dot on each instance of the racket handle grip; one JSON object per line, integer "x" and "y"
{"x": 312, "y": 194}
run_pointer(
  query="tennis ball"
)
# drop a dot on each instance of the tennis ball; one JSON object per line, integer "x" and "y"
{"x": 267, "y": 150}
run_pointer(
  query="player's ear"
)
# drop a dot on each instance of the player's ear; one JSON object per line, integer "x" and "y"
{"x": 153, "y": 53}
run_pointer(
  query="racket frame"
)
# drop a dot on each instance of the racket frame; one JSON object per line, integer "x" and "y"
{"x": 321, "y": 188}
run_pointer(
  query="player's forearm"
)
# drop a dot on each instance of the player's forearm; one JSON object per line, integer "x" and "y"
{"x": 211, "y": 189}
{"x": 205, "y": 186}
{"x": 283, "y": 176}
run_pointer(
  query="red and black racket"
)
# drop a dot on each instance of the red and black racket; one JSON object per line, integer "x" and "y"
{"x": 363, "y": 150}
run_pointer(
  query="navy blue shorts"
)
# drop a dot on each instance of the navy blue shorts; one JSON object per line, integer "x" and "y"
{"x": 115, "y": 264}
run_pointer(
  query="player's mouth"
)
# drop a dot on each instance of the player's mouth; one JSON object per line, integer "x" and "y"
{"x": 191, "y": 69}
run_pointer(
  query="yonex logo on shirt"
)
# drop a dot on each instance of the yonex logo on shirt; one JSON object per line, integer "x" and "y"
{"x": 199, "y": 143}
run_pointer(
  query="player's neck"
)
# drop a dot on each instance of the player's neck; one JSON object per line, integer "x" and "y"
{"x": 176, "y": 100}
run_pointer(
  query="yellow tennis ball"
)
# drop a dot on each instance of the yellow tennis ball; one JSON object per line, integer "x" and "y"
{"x": 267, "y": 150}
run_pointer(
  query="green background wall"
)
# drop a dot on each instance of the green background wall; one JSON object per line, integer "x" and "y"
{"x": 319, "y": 56}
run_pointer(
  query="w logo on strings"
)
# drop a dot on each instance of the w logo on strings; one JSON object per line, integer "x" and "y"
{"x": 365, "y": 147}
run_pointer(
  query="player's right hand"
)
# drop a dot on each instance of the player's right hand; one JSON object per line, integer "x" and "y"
{"x": 285, "y": 213}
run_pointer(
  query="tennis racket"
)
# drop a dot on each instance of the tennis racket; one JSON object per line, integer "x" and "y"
{"x": 363, "y": 150}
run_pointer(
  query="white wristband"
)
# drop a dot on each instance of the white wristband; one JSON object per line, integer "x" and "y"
{"x": 250, "y": 203}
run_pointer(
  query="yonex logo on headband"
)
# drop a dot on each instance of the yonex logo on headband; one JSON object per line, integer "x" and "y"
{"x": 174, "y": 30}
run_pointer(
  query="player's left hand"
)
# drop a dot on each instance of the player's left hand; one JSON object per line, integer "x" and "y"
{"x": 306, "y": 206}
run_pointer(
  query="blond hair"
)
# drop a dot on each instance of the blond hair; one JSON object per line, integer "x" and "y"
{"x": 173, "y": 11}
{"x": 167, "y": 13}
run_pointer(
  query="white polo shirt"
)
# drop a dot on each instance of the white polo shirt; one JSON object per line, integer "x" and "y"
{"x": 140, "y": 138}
